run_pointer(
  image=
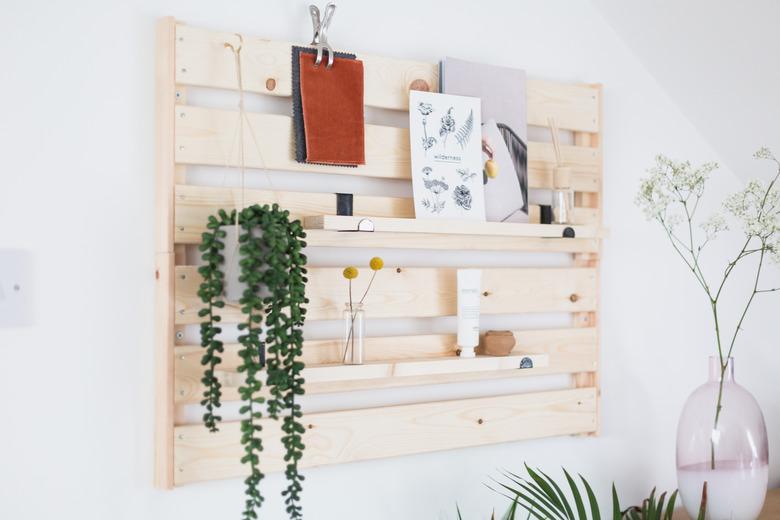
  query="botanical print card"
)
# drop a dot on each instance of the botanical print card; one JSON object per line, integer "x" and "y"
{"x": 446, "y": 149}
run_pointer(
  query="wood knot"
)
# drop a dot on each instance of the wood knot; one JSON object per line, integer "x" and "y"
{"x": 486, "y": 294}
{"x": 480, "y": 421}
{"x": 574, "y": 298}
{"x": 270, "y": 84}
{"x": 397, "y": 269}
{"x": 310, "y": 426}
{"x": 420, "y": 84}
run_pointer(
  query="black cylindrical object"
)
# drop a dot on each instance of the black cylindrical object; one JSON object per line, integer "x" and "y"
{"x": 545, "y": 214}
{"x": 344, "y": 204}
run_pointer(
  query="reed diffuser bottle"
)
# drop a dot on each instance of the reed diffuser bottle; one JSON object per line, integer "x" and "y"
{"x": 563, "y": 196}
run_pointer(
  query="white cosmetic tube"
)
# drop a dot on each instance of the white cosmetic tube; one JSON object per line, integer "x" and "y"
{"x": 469, "y": 281}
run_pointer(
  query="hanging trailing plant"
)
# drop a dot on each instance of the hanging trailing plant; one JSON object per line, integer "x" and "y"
{"x": 273, "y": 273}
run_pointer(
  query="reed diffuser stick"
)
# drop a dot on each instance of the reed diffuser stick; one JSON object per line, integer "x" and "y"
{"x": 555, "y": 140}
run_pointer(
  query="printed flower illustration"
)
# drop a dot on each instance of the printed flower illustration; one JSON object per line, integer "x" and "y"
{"x": 447, "y": 125}
{"x": 436, "y": 187}
{"x": 466, "y": 174}
{"x": 462, "y": 197}
{"x": 425, "y": 108}
{"x": 427, "y": 142}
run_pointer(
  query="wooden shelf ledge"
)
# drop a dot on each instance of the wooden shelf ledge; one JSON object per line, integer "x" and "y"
{"x": 384, "y": 374}
{"x": 422, "y": 367}
{"x": 447, "y": 227}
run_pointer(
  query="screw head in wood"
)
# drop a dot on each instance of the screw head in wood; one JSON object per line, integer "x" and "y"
{"x": 420, "y": 84}
{"x": 574, "y": 298}
{"x": 486, "y": 294}
{"x": 179, "y": 335}
{"x": 480, "y": 421}
{"x": 270, "y": 84}
{"x": 397, "y": 269}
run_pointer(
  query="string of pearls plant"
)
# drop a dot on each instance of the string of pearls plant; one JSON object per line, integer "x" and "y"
{"x": 273, "y": 273}
{"x": 671, "y": 195}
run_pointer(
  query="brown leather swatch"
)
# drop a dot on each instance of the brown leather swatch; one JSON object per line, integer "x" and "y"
{"x": 332, "y": 102}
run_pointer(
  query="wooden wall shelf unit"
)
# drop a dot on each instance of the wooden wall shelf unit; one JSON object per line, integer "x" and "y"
{"x": 196, "y": 135}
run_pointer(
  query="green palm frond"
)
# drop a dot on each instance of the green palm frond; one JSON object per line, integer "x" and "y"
{"x": 543, "y": 499}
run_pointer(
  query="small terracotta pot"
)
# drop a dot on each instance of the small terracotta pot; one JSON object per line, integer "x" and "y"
{"x": 496, "y": 343}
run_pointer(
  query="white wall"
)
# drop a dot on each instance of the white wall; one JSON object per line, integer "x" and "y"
{"x": 77, "y": 189}
{"x": 715, "y": 61}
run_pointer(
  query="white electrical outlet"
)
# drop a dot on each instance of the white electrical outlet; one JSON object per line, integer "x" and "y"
{"x": 16, "y": 308}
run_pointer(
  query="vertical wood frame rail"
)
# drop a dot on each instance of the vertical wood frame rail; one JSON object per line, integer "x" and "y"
{"x": 192, "y": 135}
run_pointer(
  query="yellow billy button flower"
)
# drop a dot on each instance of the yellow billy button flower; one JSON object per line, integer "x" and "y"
{"x": 350, "y": 273}
{"x": 376, "y": 263}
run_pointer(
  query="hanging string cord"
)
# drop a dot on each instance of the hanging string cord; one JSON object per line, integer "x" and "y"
{"x": 238, "y": 135}
{"x": 240, "y": 129}
{"x": 243, "y": 118}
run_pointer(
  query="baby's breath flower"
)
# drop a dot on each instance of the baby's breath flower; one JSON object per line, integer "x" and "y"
{"x": 714, "y": 225}
{"x": 764, "y": 153}
{"x": 668, "y": 182}
{"x": 757, "y": 209}
{"x": 773, "y": 248}
{"x": 350, "y": 273}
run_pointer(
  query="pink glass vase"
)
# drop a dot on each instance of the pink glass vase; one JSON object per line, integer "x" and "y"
{"x": 731, "y": 453}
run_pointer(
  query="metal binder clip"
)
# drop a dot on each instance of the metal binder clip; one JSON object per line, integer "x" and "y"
{"x": 320, "y": 26}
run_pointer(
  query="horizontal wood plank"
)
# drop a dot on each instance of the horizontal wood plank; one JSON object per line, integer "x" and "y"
{"x": 202, "y": 60}
{"x": 205, "y": 136}
{"x": 566, "y": 351}
{"x": 421, "y": 292}
{"x": 354, "y": 435}
{"x": 194, "y": 204}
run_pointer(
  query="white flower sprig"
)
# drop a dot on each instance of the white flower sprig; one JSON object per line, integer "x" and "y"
{"x": 671, "y": 194}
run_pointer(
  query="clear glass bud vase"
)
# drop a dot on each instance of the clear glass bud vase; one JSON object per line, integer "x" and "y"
{"x": 728, "y": 450}
{"x": 354, "y": 330}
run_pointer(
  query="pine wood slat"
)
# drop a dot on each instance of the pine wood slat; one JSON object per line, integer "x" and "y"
{"x": 566, "y": 351}
{"x": 202, "y": 60}
{"x": 165, "y": 175}
{"x": 378, "y": 239}
{"x": 205, "y": 136}
{"x": 422, "y": 292}
{"x": 205, "y": 62}
{"x": 455, "y": 227}
{"x": 338, "y": 377}
{"x": 194, "y": 204}
{"x": 354, "y": 435}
